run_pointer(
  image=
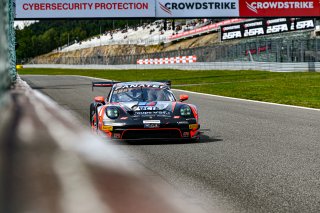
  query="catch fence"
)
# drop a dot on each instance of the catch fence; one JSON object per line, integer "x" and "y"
{"x": 7, "y": 46}
{"x": 285, "y": 48}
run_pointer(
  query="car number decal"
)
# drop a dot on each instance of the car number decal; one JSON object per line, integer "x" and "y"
{"x": 151, "y": 121}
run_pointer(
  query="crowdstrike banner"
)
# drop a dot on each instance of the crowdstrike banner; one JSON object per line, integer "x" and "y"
{"x": 276, "y": 8}
{"x": 28, "y": 9}
{"x": 197, "y": 8}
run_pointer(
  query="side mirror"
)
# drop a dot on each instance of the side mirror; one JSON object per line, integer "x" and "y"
{"x": 99, "y": 99}
{"x": 184, "y": 97}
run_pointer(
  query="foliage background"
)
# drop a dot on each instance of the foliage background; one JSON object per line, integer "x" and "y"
{"x": 47, "y": 35}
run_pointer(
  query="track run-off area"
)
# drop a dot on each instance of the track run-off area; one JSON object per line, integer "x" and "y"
{"x": 252, "y": 157}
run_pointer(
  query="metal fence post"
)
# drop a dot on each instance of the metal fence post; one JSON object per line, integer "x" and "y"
{"x": 288, "y": 53}
{"x": 316, "y": 50}
{"x": 12, "y": 41}
{"x": 301, "y": 52}
{"x": 277, "y": 51}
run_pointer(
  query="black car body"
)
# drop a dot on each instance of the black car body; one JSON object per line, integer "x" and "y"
{"x": 143, "y": 110}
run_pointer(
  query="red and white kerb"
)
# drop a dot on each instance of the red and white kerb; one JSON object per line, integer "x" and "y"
{"x": 171, "y": 60}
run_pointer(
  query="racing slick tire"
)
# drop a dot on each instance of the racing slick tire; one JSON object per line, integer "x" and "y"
{"x": 195, "y": 140}
{"x": 92, "y": 111}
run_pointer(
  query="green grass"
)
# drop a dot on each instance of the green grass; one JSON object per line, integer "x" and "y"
{"x": 301, "y": 89}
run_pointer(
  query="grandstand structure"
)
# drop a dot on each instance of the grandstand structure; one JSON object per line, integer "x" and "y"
{"x": 152, "y": 33}
{"x": 149, "y": 34}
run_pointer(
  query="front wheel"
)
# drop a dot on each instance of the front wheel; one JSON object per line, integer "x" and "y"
{"x": 196, "y": 139}
{"x": 92, "y": 112}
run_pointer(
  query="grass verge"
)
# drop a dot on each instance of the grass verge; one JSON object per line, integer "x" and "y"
{"x": 300, "y": 89}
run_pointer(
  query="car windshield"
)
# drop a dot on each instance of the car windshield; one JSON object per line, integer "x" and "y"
{"x": 141, "y": 94}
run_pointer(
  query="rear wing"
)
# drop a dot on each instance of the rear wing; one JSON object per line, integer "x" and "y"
{"x": 104, "y": 84}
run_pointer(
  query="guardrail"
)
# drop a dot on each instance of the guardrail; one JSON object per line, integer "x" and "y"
{"x": 49, "y": 163}
{"x": 240, "y": 65}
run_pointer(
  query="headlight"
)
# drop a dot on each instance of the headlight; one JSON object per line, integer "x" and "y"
{"x": 112, "y": 112}
{"x": 185, "y": 111}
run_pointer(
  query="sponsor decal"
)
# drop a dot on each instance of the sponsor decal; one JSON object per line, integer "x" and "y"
{"x": 253, "y": 32}
{"x": 262, "y": 8}
{"x": 197, "y": 8}
{"x": 260, "y": 49}
{"x": 265, "y": 27}
{"x": 277, "y": 28}
{"x": 84, "y": 8}
{"x": 208, "y": 28}
{"x": 307, "y": 24}
{"x": 150, "y": 106}
{"x": 134, "y": 86}
{"x": 253, "y": 29}
{"x": 252, "y": 8}
{"x": 231, "y": 35}
{"x": 148, "y": 113}
{"x": 165, "y": 9}
{"x": 147, "y": 106}
{"x": 201, "y": 5}
{"x": 151, "y": 121}
{"x": 186, "y": 134}
{"x": 233, "y": 27}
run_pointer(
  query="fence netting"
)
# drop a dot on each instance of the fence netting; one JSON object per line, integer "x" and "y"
{"x": 7, "y": 46}
{"x": 4, "y": 62}
{"x": 12, "y": 41}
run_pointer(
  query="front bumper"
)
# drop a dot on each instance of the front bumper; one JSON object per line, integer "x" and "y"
{"x": 164, "y": 131}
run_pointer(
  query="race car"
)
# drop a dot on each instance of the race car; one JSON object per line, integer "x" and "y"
{"x": 143, "y": 110}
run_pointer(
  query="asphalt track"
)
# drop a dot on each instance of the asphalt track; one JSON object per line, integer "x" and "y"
{"x": 253, "y": 157}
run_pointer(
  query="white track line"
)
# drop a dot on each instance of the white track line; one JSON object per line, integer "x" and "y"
{"x": 247, "y": 100}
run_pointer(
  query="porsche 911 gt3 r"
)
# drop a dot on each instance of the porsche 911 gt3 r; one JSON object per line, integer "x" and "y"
{"x": 143, "y": 110}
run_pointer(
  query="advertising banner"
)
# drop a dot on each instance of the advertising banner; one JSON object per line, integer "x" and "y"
{"x": 37, "y": 9}
{"x": 197, "y": 8}
{"x": 40, "y": 9}
{"x": 265, "y": 27}
{"x": 276, "y": 8}
{"x": 207, "y": 28}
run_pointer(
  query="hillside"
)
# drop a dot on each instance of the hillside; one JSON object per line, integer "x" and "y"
{"x": 116, "y": 50}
